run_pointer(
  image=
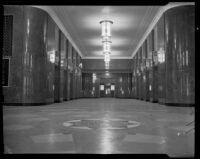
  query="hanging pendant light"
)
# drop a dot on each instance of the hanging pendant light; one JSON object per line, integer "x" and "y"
{"x": 106, "y": 46}
{"x": 106, "y": 39}
{"x": 107, "y": 65}
{"x": 106, "y": 28}
{"x": 107, "y": 57}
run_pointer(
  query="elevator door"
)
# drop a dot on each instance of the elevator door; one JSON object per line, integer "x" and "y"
{"x": 71, "y": 85}
{"x": 107, "y": 90}
{"x": 57, "y": 84}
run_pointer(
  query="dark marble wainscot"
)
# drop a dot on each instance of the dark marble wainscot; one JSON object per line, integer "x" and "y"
{"x": 180, "y": 52}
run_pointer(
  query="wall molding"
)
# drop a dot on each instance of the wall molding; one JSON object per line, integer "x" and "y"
{"x": 160, "y": 12}
{"x": 104, "y": 70}
{"x": 93, "y": 57}
{"x": 60, "y": 26}
{"x": 157, "y": 17}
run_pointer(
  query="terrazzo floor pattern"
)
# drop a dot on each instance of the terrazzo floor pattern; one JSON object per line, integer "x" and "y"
{"x": 99, "y": 126}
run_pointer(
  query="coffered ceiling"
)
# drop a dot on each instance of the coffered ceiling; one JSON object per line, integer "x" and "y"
{"x": 81, "y": 25}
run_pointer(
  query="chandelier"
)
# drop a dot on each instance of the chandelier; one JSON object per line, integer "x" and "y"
{"x": 106, "y": 40}
{"x": 106, "y": 29}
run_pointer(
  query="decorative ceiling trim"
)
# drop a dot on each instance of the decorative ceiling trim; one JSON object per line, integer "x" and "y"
{"x": 72, "y": 29}
{"x": 149, "y": 29}
{"x": 60, "y": 25}
{"x": 138, "y": 32}
{"x": 156, "y": 19}
{"x": 103, "y": 71}
{"x": 93, "y": 57}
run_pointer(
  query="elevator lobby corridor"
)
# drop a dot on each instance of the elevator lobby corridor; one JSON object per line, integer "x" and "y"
{"x": 100, "y": 126}
{"x": 99, "y": 79}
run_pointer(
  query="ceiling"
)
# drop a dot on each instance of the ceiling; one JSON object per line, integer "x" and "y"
{"x": 82, "y": 27}
{"x": 129, "y": 24}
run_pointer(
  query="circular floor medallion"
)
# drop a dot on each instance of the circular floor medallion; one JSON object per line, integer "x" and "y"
{"x": 109, "y": 124}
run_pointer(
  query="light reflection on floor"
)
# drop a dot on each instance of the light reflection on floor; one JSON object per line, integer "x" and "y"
{"x": 106, "y": 142}
{"x": 102, "y": 126}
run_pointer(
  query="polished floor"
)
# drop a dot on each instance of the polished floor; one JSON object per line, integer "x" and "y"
{"x": 100, "y": 126}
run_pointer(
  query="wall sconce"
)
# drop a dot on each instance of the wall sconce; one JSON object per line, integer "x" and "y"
{"x": 76, "y": 71}
{"x": 107, "y": 73}
{"x": 81, "y": 65}
{"x": 120, "y": 80}
{"x": 62, "y": 63}
{"x": 138, "y": 72}
{"x": 161, "y": 55}
{"x": 51, "y": 56}
{"x": 94, "y": 77}
{"x": 155, "y": 57}
{"x": 142, "y": 68}
{"x": 150, "y": 88}
{"x": 144, "y": 77}
{"x": 148, "y": 63}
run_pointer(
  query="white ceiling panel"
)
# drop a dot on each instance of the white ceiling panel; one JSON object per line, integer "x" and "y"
{"x": 130, "y": 24}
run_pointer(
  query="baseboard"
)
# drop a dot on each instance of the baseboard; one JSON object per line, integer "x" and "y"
{"x": 57, "y": 101}
{"x": 47, "y": 103}
{"x": 153, "y": 101}
{"x": 26, "y": 104}
{"x": 180, "y": 104}
{"x": 124, "y": 97}
{"x": 90, "y": 97}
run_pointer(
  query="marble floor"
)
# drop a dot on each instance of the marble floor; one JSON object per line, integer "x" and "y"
{"x": 100, "y": 126}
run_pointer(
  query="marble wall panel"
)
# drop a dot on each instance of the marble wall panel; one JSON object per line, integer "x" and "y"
{"x": 35, "y": 57}
{"x": 51, "y": 47}
{"x": 57, "y": 67}
{"x": 65, "y": 69}
{"x": 41, "y": 62}
{"x": 14, "y": 91}
{"x": 160, "y": 49}
{"x": 180, "y": 53}
{"x": 154, "y": 67}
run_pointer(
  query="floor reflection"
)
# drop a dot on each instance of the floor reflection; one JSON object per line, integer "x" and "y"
{"x": 99, "y": 127}
{"x": 106, "y": 142}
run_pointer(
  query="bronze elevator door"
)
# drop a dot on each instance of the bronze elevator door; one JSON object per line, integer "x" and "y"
{"x": 106, "y": 90}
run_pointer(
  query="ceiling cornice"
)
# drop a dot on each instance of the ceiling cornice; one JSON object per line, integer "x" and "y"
{"x": 156, "y": 19}
{"x": 60, "y": 25}
{"x": 149, "y": 29}
{"x": 93, "y": 57}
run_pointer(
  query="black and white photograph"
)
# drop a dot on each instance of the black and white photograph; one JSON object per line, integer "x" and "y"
{"x": 99, "y": 79}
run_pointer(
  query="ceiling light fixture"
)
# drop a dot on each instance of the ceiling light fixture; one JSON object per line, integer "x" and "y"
{"x": 107, "y": 65}
{"x": 107, "y": 57}
{"x": 94, "y": 77}
{"x": 107, "y": 73}
{"x": 106, "y": 39}
{"x": 106, "y": 28}
{"x": 106, "y": 46}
